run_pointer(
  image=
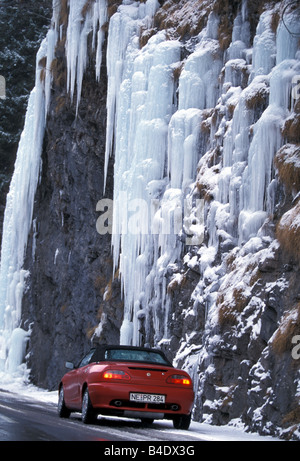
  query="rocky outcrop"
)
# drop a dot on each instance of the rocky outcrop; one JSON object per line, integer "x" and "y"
{"x": 246, "y": 370}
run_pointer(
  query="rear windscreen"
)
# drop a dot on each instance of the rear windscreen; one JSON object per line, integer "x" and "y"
{"x": 135, "y": 356}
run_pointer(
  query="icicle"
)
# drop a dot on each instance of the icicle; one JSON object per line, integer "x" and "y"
{"x": 142, "y": 121}
{"x": 183, "y": 146}
{"x": 51, "y": 43}
{"x": 73, "y": 42}
{"x": 83, "y": 20}
{"x": 123, "y": 45}
{"x": 267, "y": 139}
{"x": 288, "y": 32}
{"x": 100, "y": 15}
{"x": 138, "y": 121}
{"x": 17, "y": 349}
{"x": 121, "y": 29}
{"x": 198, "y": 84}
{"x": 19, "y": 209}
{"x": 264, "y": 46}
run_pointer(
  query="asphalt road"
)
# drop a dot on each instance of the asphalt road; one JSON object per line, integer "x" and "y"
{"x": 25, "y": 419}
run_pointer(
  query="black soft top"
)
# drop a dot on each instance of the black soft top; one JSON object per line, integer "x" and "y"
{"x": 104, "y": 353}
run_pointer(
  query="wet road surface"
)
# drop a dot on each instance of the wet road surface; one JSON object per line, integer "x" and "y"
{"x": 26, "y": 419}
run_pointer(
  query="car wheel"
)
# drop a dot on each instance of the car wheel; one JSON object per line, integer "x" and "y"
{"x": 88, "y": 414}
{"x": 182, "y": 422}
{"x": 63, "y": 411}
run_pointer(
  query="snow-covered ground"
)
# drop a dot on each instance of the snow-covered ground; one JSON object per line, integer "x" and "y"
{"x": 206, "y": 432}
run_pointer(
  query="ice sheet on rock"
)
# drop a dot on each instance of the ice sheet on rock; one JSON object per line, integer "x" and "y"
{"x": 152, "y": 133}
{"x": 264, "y": 46}
{"x": 122, "y": 47}
{"x": 183, "y": 143}
{"x": 256, "y": 193}
{"x": 18, "y": 213}
{"x": 198, "y": 83}
{"x": 287, "y": 37}
{"x": 139, "y": 120}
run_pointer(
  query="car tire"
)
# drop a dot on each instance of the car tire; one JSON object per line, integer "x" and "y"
{"x": 88, "y": 414}
{"x": 182, "y": 422}
{"x": 63, "y": 411}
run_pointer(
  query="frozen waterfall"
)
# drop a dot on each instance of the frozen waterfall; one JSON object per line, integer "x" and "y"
{"x": 156, "y": 124}
{"x": 183, "y": 119}
{"x": 156, "y": 132}
{"x": 20, "y": 199}
{"x": 17, "y": 221}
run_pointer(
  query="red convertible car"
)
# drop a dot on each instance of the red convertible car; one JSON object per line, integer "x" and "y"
{"x": 127, "y": 381}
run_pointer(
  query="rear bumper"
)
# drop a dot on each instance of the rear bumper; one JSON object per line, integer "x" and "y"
{"x": 114, "y": 399}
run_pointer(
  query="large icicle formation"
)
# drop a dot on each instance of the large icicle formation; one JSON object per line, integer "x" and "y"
{"x": 19, "y": 207}
{"x": 152, "y": 138}
{"x": 158, "y": 144}
{"x": 83, "y": 19}
{"x": 18, "y": 219}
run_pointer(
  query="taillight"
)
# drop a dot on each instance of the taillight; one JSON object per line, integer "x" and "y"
{"x": 116, "y": 374}
{"x": 179, "y": 379}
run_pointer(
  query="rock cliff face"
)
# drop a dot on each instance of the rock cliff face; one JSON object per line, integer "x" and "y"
{"x": 70, "y": 264}
{"x": 227, "y": 310}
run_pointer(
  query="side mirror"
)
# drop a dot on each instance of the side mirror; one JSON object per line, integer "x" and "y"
{"x": 69, "y": 365}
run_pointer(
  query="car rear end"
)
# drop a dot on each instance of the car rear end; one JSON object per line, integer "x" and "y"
{"x": 141, "y": 390}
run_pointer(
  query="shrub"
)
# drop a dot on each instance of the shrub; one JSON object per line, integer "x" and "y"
{"x": 288, "y": 232}
{"x": 229, "y": 311}
{"x": 289, "y": 327}
{"x": 291, "y": 129}
{"x": 287, "y": 162}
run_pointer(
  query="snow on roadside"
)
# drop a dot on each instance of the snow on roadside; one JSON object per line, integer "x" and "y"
{"x": 16, "y": 386}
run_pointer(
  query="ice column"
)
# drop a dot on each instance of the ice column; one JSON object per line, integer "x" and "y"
{"x": 99, "y": 19}
{"x": 20, "y": 203}
{"x": 198, "y": 85}
{"x": 140, "y": 166}
{"x": 139, "y": 107}
{"x": 18, "y": 218}
{"x": 264, "y": 46}
{"x": 256, "y": 191}
{"x": 83, "y": 19}
{"x": 183, "y": 146}
{"x": 122, "y": 35}
{"x": 288, "y": 32}
{"x": 154, "y": 140}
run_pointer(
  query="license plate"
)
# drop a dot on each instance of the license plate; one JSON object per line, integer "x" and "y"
{"x": 147, "y": 398}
